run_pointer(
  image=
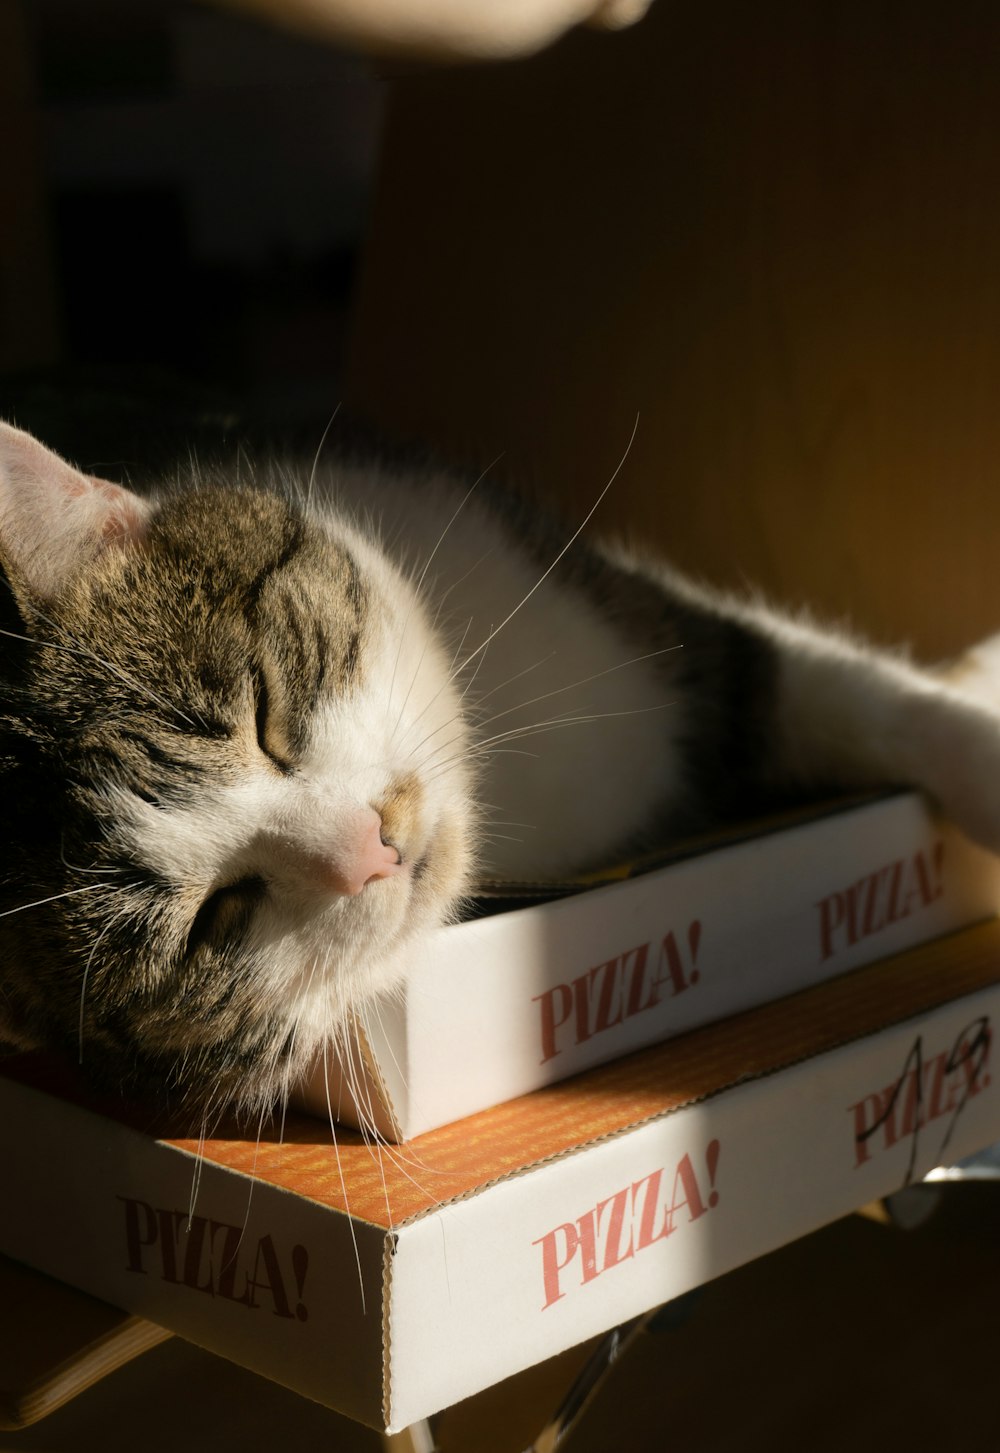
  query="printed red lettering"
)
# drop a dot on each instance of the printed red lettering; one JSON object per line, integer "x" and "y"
{"x": 614, "y": 1252}
{"x": 611, "y": 992}
{"x": 852, "y": 913}
{"x": 228, "y": 1264}
{"x": 168, "y": 1243}
{"x": 637, "y": 1002}
{"x": 686, "y": 1180}
{"x": 912, "y": 1104}
{"x": 610, "y": 1006}
{"x": 923, "y": 876}
{"x": 937, "y": 1105}
{"x": 894, "y": 913}
{"x": 831, "y": 916}
{"x": 196, "y": 1258}
{"x": 622, "y": 1225}
{"x": 554, "y": 1008}
{"x": 873, "y": 919}
{"x": 669, "y": 970}
{"x": 140, "y": 1231}
{"x": 203, "y": 1256}
{"x": 586, "y": 1228}
{"x": 868, "y": 1113}
{"x": 581, "y": 1002}
{"x": 554, "y": 1261}
{"x": 650, "y": 1204}
{"x": 884, "y": 897}
{"x": 267, "y": 1277}
{"x": 929, "y": 1089}
{"x": 971, "y": 1066}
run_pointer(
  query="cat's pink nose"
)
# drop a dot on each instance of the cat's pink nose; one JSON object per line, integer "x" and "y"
{"x": 360, "y": 858}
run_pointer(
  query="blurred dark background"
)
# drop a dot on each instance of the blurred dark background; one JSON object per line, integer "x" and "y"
{"x": 186, "y": 198}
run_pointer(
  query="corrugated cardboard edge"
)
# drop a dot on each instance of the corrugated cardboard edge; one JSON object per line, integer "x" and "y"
{"x": 350, "y": 1087}
{"x": 375, "y": 1085}
{"x": 748, "y": 1078}
{"x": 388, "y": 1261}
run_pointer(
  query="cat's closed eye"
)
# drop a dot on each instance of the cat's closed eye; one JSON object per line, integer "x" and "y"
{"x": 269, "y": 740}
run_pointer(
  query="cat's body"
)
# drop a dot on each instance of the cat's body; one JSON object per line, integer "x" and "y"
{"x": 255, "y": 739}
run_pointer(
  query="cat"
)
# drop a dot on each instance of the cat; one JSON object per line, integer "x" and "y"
{"x": 257, "y": 736}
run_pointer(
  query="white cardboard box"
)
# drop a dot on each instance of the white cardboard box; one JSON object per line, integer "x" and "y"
{"x": 490, "y": 1244}
{"x": 501, "y": 1005}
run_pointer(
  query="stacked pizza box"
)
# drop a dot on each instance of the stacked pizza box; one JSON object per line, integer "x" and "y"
{"x": 519, "y": 997}
{"x": 389, "y": 1280}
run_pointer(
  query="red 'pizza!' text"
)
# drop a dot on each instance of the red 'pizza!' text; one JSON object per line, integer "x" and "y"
{"x": 884, "y": 897}
{"x": 632, "y": 1220}
{"x": 214, "y": 1258}
{"x": 609, "y": 993}
{"x": 928, "y": 1089}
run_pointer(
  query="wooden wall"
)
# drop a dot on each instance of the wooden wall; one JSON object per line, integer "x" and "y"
{"x": 772, "y": 232}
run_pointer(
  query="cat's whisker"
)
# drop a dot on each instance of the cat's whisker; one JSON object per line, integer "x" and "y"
{"x": 542, "y": 661}
{"x": 78, "y": 868}
{"x": 573, "y": 685}
{"x": 418, "y": 586}
{"x": 554, "y": 723}
{"x": 120, "y": 915}
{"x": 434, "y": 773}
{"x": 487, "y": 808}
{"x": 458, "y": 510}
{"x": 55, "y": 898}
{"x": 253, "y": 1183}
{"x": 480, "y": 650}
{"x": 473, "y": 678}
{"x": 290, "y": 1056}
{"x": 340, "y": 1173}
{"x": 453, "y": 669}
{"x": 409, "y": 689}
{"x": 358, "y": 1089}
{"x": 455, "y": 655}
{"x": 373, "y": 1005}
{"x": 482, "y": 749}
{"x": 208, "y": 1105}
{"x": 460, "y": 580}
{"x": 568, "y": 545}
{"x": 442, "y": 688}
{"x": 377, "y": 1143}
{"x": 316, "y": 457}
{"x": 199, "y": 1164}
{"x": 122, "y": 676}
{"x": 558, "y": 691}
{"x": 457, "y": 717}
{"x": 478, "y": 749}
{"x": 91, "y": 655}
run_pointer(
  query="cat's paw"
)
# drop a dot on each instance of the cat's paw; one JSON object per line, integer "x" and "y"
{"x": 976, "y": 672}
{"x": 953, "y": 744}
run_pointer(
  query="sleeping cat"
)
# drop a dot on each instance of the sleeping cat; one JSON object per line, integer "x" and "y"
{"x": 256, "y": 736}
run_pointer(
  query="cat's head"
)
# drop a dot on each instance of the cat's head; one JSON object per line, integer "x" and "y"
{"x": 233, "y": 773}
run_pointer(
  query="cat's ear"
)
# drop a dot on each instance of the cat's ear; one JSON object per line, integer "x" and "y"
{"x": 54, "y": 521}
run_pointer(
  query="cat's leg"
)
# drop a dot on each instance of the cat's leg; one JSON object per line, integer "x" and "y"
{"x": 846, "y": 714}
{"x": 976, "y": 672}
{"x": 764, "y": 703}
